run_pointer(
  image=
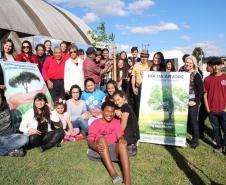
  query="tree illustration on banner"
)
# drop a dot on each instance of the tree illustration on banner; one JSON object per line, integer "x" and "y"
{"x": 24, "y": 78}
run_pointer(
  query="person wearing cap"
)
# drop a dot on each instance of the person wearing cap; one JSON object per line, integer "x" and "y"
{"x": 53, "y": 74}
{"x": 215, "y": 102}
{"x": 137, "y": 75}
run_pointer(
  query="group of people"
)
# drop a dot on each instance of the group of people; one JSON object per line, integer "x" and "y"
{"x": 88, "y": 101}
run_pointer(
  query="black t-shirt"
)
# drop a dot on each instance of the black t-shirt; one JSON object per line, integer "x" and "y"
{"x": 131, "y": 132}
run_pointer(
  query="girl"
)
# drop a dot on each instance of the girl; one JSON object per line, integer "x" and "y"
{"x": 158, "y": 62}
{"x": 128, "y": 121}
{"x": 60, "y": 106}
{"x": 93, "y": 98}
{"x": 48, "y": 50}
{"x": 40, "y": 53}
{"x": 170, "y": 66}
{"x": 122, "y": 73}
{"x": 39, "y": 123}
{"x": 111, "y": 88}
{"x": 77, "y": 109}
{"x": 8, "y": 50}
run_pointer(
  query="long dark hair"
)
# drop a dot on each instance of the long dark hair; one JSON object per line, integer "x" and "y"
{"x": 110, "y": 97}
{"x": 12, "y": 48}
{"x": 172, "y": 63}
{"x": 30, "y": 47}
{"x": 162, "y": 63}
{"x": 45, "y": 114}
{"x": 124, "y": 70}
{"x": 50, "y": 51}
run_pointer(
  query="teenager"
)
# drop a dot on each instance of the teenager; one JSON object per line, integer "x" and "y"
{"x": 106, "y": 142}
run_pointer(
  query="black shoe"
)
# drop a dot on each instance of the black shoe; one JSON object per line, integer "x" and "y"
{"x": 132, "y": 150}
{"x": 194, "y": 145}
{"x": 17, "y": 153}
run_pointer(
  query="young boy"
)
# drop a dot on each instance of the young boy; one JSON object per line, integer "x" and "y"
{"x": 106, "y": 142}
{"x": 215, "y": 101}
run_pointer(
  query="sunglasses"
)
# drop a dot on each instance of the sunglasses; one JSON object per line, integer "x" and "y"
{"x": 73, "y": 52}
{"x": 25, "y": 47}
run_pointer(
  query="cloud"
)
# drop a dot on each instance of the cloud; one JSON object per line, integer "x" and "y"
{"x": 123, "y": 47}
{"x": 185, "y": 37}
{"x": 185, "y": 25}
{"x": 149, "y": 29}
{"x": 100, "y": 7}
{"x": 90, "y": 17}
{"x": 140, "y": 5}
{"x": 208, "y": 47}
{"x": 221, "y": 36}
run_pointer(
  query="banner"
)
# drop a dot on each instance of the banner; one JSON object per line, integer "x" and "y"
{"x": 164, "y": 107}
{"x": 23, "y": 81}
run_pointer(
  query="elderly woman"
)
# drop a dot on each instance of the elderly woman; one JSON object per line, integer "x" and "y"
{"x": 195, "y": 94}
{"x": 73, "y": 70}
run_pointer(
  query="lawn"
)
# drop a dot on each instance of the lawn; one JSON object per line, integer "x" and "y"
{"x": 154, "y": 164}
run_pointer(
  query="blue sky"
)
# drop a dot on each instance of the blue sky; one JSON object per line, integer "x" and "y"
{"x": 163, "y": 24}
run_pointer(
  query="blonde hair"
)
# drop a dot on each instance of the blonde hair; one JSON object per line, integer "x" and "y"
{"x": 194, "y": 60}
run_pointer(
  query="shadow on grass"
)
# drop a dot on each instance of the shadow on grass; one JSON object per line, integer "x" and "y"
{"x": 188, "y": 168}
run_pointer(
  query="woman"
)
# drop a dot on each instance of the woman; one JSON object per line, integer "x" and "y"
{"x": 195, "y": 94}
{"x": 170, "y": 66}
{"x": 158, "y": 62}
{"x": 26, "y": 54}
{"x": 122, "y": 74}
{"x": 40, "y": 53}
{"x": 123, "y": 56}
{"x": 40, "y": 125}
{"x": 73, "y": 70}
{"x": 8, "y": 51}
{"x": 48, "y": 50}
{"x": 77, "y": 110}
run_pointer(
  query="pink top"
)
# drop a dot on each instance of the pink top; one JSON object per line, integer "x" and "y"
{"x": 110, "y": 131}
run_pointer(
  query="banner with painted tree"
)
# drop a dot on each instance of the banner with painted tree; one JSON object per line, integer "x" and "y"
{"x": 164, "y": 107}
{"x": 23, "y": 81}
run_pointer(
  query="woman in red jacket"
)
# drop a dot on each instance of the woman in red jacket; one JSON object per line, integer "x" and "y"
{"x": 26, "y": 54}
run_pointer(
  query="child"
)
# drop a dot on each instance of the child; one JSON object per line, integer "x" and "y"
{"x": 128, "y": 121}
{"x": 60, "y": 106}
{"x": 93, "y": 98}
{"x": 106, "y": 142}
{"x": 111, "y": 88}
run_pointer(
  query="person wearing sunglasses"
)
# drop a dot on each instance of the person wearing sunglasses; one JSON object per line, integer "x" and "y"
{"x": 26, "y": 54}
{"x": 73, "y": 71}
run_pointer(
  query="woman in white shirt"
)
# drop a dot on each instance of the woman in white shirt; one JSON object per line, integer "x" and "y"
{"x": 73, "y": 71}
{"x": 39, "y": 123}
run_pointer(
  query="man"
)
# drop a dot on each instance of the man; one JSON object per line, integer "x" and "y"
{"x": 137, "y": 75}
{"x": 106, "y": 142}
{"x": 10, "y": 143}
{"x": 215, "y": 102}
{"x": 91, "y": 66}
{"x": 134, "y": 52}
{"x": 53, "y": 74}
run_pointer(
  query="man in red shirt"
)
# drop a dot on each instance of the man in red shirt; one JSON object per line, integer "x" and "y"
{"x": 53, "y": 74}
{"x": 215, "y": 102}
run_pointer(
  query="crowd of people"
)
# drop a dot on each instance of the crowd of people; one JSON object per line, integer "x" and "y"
{"x": 106, "y": 111}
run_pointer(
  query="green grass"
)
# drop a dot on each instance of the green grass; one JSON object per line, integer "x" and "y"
{"x": 154, "y": 164}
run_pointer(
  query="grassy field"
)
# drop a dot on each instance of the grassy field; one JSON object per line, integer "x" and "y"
{"x": 154, "y": 164}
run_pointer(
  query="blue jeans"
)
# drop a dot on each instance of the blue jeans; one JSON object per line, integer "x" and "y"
{"x": 11, "y": 142}
{"x": 218, "y": 121}
{"x": 80, "y": 123}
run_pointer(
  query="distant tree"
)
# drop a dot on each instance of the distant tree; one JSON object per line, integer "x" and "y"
{"x": 24, "y": 78}
{"x": 198, "y": 53}
{"x": 100, "y": 37}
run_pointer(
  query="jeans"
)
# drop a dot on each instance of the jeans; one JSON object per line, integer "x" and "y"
{"x": 12, "y": 141}
{"x": 193, "y": 123}
{"x": 48, "y": 140}
{"x": 80, "y": 123}
{"x": 218, "y": 121}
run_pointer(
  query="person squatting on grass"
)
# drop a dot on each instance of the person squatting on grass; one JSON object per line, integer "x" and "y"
{"x": 106, "y": 142}
{"x": 39, "y": 123}
{"x": 11, "y": 143}
{"x": 128, "y": 121}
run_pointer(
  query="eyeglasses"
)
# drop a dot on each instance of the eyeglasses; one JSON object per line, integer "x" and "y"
{"x": 25, "y": 47}
{"x": 73, "y": 52}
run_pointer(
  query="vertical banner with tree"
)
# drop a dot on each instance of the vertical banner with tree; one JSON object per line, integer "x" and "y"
{"x": 164, "y": 108}
{"x": 23, "y": 81}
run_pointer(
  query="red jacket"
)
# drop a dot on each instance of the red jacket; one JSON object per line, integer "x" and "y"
{"x": 52, "y": 69}
{"x": 23, "y": 58}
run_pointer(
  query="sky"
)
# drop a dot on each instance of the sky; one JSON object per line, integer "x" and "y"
{"x": 158, "y": 25}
